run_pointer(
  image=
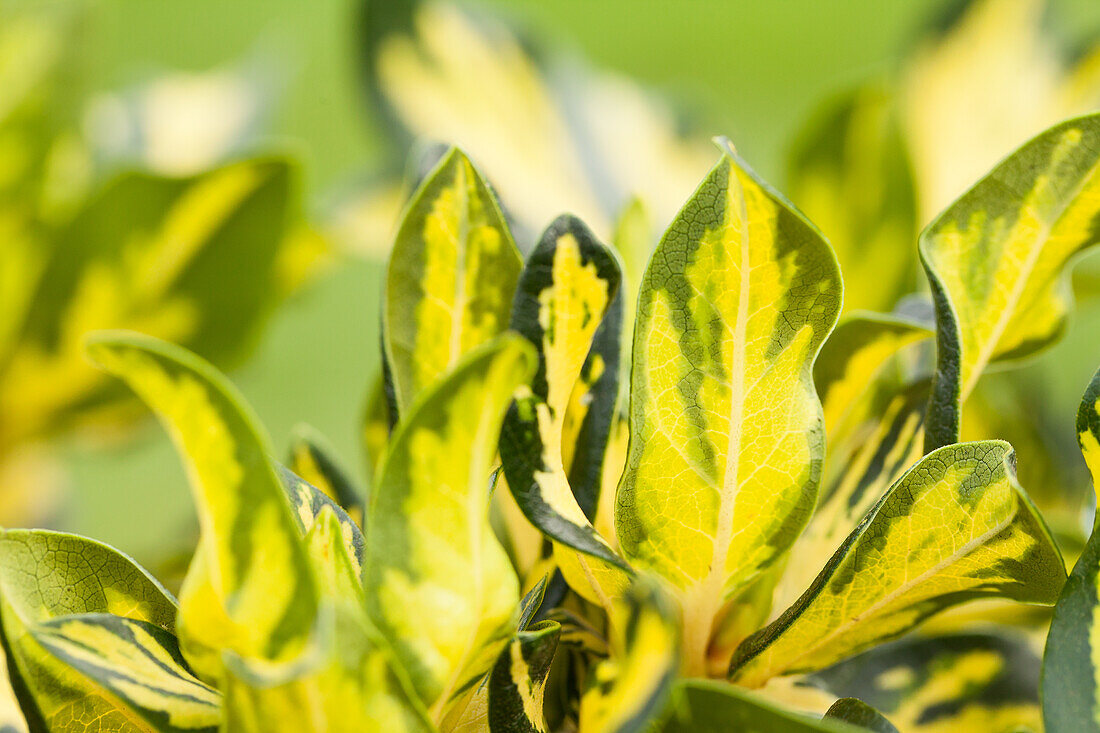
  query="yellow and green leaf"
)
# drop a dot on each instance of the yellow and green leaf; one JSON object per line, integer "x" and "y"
{"x": 726, "y": 431}
{"x": 439, "y": 586}
{"x": 554, "y": 436}
{"x": 307, "y": 502}
{"x": 450, "y": 279}
{"x": 250, "y": 588}
{"x": 632, "y": 687}
{"x": 1071, "y": 664}
{"x": 312, "y": 458}
{"x": 849, "y": 172}
{"x": 711, "y": 706}
{"x": 941, "y": 684}
{"x": 517, "y": 682}
{"x": 859, "y": 714}
{"x": 956, "y": 527}
{"x": 997, "y": 262}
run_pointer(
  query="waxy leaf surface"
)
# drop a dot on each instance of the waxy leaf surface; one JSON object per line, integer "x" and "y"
{"x": 956, "y": 527}
{"x": 726, "y": 432}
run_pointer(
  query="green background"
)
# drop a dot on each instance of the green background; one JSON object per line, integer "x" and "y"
{"x": 748, "y": 69}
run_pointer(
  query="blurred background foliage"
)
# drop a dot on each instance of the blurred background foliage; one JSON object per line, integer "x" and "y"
{"x": 177, "y": 88}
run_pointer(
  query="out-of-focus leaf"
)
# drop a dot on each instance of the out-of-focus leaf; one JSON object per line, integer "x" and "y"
{"x": 997, "y": 259}
{"x": 971, "y": 681}
{"x": 726, "y": 431}
{"x": 312, "y": 458}
{"x": 564, "y": 306}
{"x": 1071, "y": 673}
{"x": 439, "y": 586}
{"x": 956, "y": 527}
{"x": 376, "y": 426}
{"x": 450, "y": 279}
{"x": 710, "y": 706}
{"x": 161, "y": 255}
{"x": 850, "y": 173}
{"x": 860, "y": 714}
{"x": 47, "y": 576}
{"x": 631, "y": 689}
{"x": 249, "y": 589}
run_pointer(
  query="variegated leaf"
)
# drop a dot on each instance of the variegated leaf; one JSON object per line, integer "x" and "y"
{"x": 439, "y": 586}
{"x": 1071, "y": 664}
{"x": 518, "y": 680}
{"x": 565, "y": 306}
{"x": 859, "y": 714}
{"x": 849, "y": 171}
{"x": 631, "y": 689}
{"x": 711, "y": 706}
{"x": 726, "y": 431}
{"x": 352, "y": 684}
{"x": 941, "y": 684}
{"x": 307, "y": 502}
{"x": 135, "y": 663}
{"x": 956, "y": 527}
{"x": 451, "y": 276}
{"x": 51, "y": 575}
{"x": 249, "y": 588}
{"x": 312, "y": 458}
{"x": 997, "y": 261}
{"x": 160, "y": 255}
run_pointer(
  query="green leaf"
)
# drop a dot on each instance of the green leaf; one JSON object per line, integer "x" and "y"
{"x": 997, "y": 259}
{"x": 136, "y": 663}
{"x": 307, "y": 503}
{"x": 970, "y": 681}
{"x": 860, "y": 714}
{"x": 52, "y": 575}
{"x": 249, "y": 588}
{"x": 710, "y": 706}
{"x": 956, "y": 527}
{"x": 518, "y": 680}
{"x": 631, "y": 689}
{"x": 565, "y": 291}
{"x": 313, "y": 459}
{"x": 353, "y": 682}
{"x": 450, "y": 280}
{"x": 849, "y": 172}
{"x": 439, "y": 586}
{"x": 159, "y": 255}
{"x": 1071, "y": 670}
{"x": 376, "y": 426}
{"x": 726, "y": 431}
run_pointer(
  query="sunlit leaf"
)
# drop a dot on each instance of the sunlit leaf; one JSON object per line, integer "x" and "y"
{"x": 710, "y": 706}
{"x": 439, "y": 586}
{"x": 956, "y": 527}
{"x": 860, "y": 714}
{"x": 518, "y": 680}
{"x": 726, "y": 431}
{"x": 450, "y": 280}
{"x": 312, "y": 458}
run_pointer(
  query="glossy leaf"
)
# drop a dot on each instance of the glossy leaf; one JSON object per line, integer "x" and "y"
{"x": 997, "y": 259}
{"x": 710, "y": 706}
{"x": 450, "y": 279}
{"x": 1071, "y": 670}
{"x": 860, "y": 714}
{"x": 849, "y": 172}
{"x": 249, "y": 588}
{"x": 969, "y": 681}
{"x": 956, "y": 527}
{"x": 307, "y": 502}
{"x": 554, "y": 436}
{"x": 439, "y": 586}
{"x": 632, "y": 688}
{"x": 518, "y": 680}
{"x": 312, "y": 458}
{"x": 726, "y": 432}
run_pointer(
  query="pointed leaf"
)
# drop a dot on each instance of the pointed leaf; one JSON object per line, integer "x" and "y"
{"x": 997, "y": 261}
{"x": 859, "y": 714}
{"x": 710, "y": 706}
{"x": 450, "y": 280}
{"x": 307, "y": 503}
{"x": 631, "y": 689}
{"x": 249, "y": 588}
{"x": 726, "y": 431}
{"x": 312, "y": 458}
{"x": 518, "y": 680}
{"x": 439, "y": 586}
{"x": 1071, "y": 672}
{"x": 956, "y": 527}
{"x": 973, "y": 681}
{"x": 564, "y": 292}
